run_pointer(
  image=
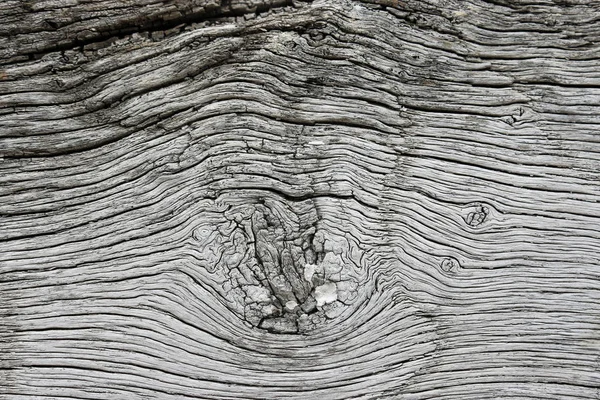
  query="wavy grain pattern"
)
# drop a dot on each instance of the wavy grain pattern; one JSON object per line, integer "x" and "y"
{"x": 329, "y": 199}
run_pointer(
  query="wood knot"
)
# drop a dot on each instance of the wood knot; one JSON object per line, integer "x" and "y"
{"x": 475, "y": 214}
{"x": 284, "y": 274}
{"x": 450, "y": 265}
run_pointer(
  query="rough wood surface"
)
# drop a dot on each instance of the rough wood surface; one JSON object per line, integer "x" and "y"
{"x": 330, "y": 199}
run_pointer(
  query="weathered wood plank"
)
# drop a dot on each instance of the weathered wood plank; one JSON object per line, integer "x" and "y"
{"x": 334, "y": 199}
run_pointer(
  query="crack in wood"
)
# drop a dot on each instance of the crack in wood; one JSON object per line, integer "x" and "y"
{"x": 103, "y": 31}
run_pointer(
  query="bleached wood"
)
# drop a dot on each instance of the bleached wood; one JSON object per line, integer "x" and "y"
{"x": 332, "y": 199}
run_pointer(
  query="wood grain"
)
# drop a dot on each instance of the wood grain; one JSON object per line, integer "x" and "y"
{"x": 330, "y": 199}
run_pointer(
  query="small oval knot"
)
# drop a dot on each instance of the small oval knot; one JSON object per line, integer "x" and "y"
{"x": 450, "y": 265}
{"x": 476, "y": 214}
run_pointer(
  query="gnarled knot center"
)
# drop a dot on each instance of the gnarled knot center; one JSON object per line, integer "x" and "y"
{"x": 287, "y": 275}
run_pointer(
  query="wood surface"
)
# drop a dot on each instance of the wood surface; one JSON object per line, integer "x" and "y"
{"x": 329, "y": 199}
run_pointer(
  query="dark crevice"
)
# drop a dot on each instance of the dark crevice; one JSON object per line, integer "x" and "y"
{"x": 157, "y": 24}
{"x": 311, "y": 196}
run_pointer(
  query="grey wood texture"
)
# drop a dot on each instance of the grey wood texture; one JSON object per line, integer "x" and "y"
{"x": 300, "y": 200}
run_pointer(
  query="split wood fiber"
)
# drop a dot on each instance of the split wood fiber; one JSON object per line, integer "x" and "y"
{"x": 326, "y": 199}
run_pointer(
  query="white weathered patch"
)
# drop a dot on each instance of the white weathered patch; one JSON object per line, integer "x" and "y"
{"x": 258, "y": 294}
{"x": 291, "y": 305}
{"x": 325, "y": 294}
{"x": 269, "y": 309}
{"x": 309, "y": 271}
